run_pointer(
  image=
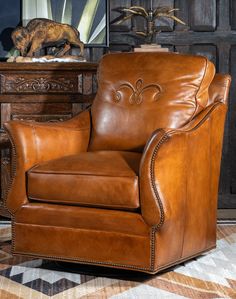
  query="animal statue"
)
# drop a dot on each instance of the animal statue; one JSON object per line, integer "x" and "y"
{"x": 40, "y": 33}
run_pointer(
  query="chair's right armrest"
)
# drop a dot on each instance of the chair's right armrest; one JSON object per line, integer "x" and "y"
{"x": 33, "y": 143}
{"x": 219, "y": 89}
{"x": 180, "y": 168}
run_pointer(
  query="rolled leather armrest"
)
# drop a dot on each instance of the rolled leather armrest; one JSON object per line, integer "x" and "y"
{"x": 33, "y": 143}
{"x": 178, "y": 164}
{"x": 219, "y": 89}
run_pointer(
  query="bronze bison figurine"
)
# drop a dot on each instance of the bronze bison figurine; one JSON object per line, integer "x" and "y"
{"x": 40, "y": 33}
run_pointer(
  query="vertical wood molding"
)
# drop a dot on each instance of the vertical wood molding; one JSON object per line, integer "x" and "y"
{"x": 5, "y": 113}
{"x": 183, "y": 14}
{"x": 224, "y": 9}
{"x": 224, "y": 49}
{"x": 203, "y": 15}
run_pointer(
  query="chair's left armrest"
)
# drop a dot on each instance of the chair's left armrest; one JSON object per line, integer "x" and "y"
{"x": 33, "y": 143}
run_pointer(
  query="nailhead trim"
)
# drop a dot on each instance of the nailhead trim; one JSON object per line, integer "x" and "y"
{"x": 164, "y": 138}
{"x": 13, "y": 235}
{"x": 152, "y": 173}
{"x": 153, "y": 238}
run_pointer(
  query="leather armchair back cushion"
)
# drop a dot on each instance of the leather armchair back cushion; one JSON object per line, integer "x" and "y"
{"x": 141, "y": 92}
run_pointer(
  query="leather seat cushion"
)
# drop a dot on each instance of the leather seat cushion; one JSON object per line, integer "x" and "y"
{"x": 105, "y": 179}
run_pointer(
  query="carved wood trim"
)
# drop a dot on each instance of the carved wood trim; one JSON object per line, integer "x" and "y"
{"x": 26, "y": 83}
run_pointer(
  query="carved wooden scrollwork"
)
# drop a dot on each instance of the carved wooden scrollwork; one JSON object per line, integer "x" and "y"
{"x": 24, "y": 84}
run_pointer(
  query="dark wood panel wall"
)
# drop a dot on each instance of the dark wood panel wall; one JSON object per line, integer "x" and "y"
{"x": 210, "y": 31}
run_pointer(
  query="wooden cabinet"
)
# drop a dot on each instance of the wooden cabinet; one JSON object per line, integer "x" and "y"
{"x": 46, "y": 92}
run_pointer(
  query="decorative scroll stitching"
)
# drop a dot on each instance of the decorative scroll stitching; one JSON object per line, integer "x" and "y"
{"x": 137, "y": 91}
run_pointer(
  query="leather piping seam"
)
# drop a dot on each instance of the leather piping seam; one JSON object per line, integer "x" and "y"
{"x": 13, "y": 170}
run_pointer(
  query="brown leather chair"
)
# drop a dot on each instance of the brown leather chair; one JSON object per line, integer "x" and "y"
{"x": 131, "y": 183}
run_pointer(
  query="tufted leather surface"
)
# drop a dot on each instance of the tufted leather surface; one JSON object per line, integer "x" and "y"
{"x": 99, "y": 179}
{"x": 140, "y": 92}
